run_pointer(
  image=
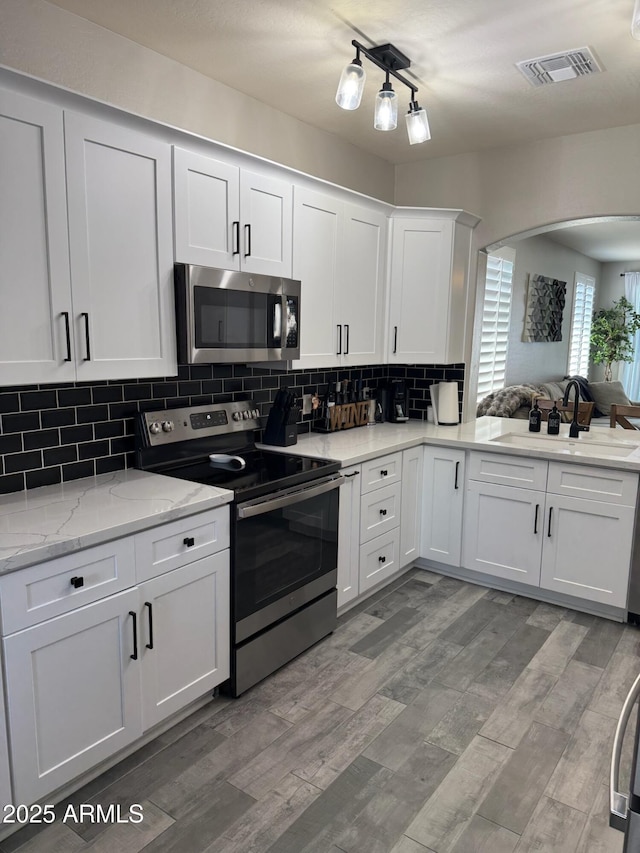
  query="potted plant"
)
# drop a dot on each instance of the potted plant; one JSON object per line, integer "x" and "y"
{"x": 612, "y": 332}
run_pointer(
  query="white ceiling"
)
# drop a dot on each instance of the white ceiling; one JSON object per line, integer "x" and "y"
{"x": 604, "y": 241}
{"x": 289, "y": 54}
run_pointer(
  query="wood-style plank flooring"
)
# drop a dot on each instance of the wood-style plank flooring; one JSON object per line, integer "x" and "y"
{"x": 441, "y": 717}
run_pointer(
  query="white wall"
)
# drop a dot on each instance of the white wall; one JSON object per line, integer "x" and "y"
{"x": 52, "y": 44}
{"x": 542, "y": 362}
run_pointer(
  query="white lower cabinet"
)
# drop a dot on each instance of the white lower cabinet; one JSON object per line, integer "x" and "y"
{"x": 442, "y": 502}
{"x": 579, "y": 546}
{"x": 184, "y": 635}
{"x": 73, "y": 694}
{"x": 379, "y": 523}
{"x": 86, "y": 681}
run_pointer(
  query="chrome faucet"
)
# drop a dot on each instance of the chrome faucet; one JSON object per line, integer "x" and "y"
{"x": 575, "y": 429}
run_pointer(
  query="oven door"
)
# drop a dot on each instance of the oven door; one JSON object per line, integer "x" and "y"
{"x": 285, "y": 555}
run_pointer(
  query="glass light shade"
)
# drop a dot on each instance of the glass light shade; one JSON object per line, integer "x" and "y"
{"x": 386, "y": 112}
{"x": 351, "y": 86}
{"x": 635, "y": 21}
{"x": 417, "y": 126}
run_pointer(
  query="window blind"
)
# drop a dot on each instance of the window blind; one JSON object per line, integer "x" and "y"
{"x": 581, "y": 325}
{"x": 496, "y": 314}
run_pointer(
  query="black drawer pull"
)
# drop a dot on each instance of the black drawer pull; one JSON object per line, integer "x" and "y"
{"x": 383, "y": 512}
{"x": 549, "y": 527}
{"x": 354, "y": 474}
{"x": 383, "y": 473}
{"x": 455, "y": 484}
{"x": 134, "y": 616}
{"x": 382, "y": 559}
{"x": 150, "y": 612}
{"x": 535, "y": 520}
{"x": 77, "y": 582}
{"x": 189, "y": 541}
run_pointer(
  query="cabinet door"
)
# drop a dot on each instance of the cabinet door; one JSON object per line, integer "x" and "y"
{"x": 362, "y": 293}
{"x": 317, "y": 220}
{"x": 73, "y": 694}
{"x": 419, "y": 291}
{"x": 266, "y": 206}
{"x": 503, "y": 530}
{"x": 442, "y": 500}
{"x": 379, "y": 512}
{"x": 5, "y": 778}
{"x": 34, "y": 245}
{"x": 411, "y": 505}
{"x": 349, "y": 536}
{"x": 184, "y": 635}
{"x": 587, "y": 549}
{"x": 206, "y": 210}
{"x": 379, "y": 559}
{"x": 119, "y": 197}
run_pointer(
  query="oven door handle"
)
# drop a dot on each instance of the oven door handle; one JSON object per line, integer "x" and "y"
{"x": 268, "y": 504}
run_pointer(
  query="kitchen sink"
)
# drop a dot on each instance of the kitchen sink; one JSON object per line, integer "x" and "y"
{"x": 582, "y": 445}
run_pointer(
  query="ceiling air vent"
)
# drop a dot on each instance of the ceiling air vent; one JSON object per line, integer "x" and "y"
{"x": 559, "y": 66}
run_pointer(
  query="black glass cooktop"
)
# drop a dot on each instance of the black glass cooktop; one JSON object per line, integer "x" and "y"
{"x": 265, "y": 472}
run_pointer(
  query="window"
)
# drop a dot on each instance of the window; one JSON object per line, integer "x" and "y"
{"x": 496, "y": 313}
{"x": 581, "y": 325}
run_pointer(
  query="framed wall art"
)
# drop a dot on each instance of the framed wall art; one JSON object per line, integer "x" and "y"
{"x": 545, "y": 305}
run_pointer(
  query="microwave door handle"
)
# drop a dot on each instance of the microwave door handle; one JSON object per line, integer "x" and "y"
{"x": 276, "y": 324}
{"x": 221, "y": 331}
{"x": 262, "y": 505}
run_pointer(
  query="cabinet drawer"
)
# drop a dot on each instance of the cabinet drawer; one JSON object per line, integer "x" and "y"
{"x": 383, "y": 471}
{"x": 598, "y": 484}
{"x": 162, "y": 549}
{"x": 379, "y": 559}
{"x": 508, "y": 470}
{"x": 379, "y": 512}
{"x": 50, "y": 589}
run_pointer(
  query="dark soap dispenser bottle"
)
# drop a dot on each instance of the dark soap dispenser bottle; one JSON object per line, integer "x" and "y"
{"x": 553, "y": 421}
{"x": 535, "y": 418}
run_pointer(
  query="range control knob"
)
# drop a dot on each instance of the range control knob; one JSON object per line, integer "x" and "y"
{"x": 154, "y": 428}
{"x": 237, "y": 416}
{"x": 246, "y": 415}
{"x": 167, "y": 426}
{"x": 255, "y": 413}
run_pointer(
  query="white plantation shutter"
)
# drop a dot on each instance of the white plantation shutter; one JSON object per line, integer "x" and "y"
{"x": 496, "y": 313}
{"x": 581, "y": 325}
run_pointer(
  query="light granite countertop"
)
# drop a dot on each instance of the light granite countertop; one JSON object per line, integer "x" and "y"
{"x": 39, "y": 524}
{"x": 604, "y": 447}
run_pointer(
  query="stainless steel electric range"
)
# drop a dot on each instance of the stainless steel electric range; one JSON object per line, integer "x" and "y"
{"x": 284, "y": 528}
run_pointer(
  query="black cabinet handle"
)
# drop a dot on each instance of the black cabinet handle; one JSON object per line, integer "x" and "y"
{"x": 148, "y": 604}
{"x": 87, "y": 343}
{"x": 535, "y": 520}
{"x": 353, "y": 474}
{"x": 395, "y": 339}
{"x": 549, "y": 528}
{"x": 383, "y": 473}
{"x": 382, "y": 559}
{"x": 346, "y": 346}
{"x": 77, "y": 582}
{"x": 383, "y": 512}
{"x": 67, "y": 333}
{"x": 189, "y": 541}
{"x": 339, "y": 340}
{"x": 236, "y": 237}
{"x": 247, "y": 240}
{"x": 455, "y": 483}
{"x": 134, "y": 617}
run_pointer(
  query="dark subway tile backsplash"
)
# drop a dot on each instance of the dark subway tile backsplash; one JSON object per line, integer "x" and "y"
{"x": 57, "y": 433}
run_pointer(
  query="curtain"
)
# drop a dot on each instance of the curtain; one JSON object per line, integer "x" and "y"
{"x": 631, "y": 370}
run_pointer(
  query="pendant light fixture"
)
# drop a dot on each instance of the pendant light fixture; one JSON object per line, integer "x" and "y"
{"x": 351, "y": 85}
{"x": 391, "y": 60}
{"x": 417, "y": 124}
{"x": 385, "y": 116}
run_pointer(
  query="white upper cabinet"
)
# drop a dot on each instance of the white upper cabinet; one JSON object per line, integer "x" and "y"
{"x": 119, "y": 197}
{"x": 339, "y": 256}
{"x": 35, "y": 290}
{"x": 428, "y": 286}
{"x": 85, "y": 247}
{"x": 231, "y": 218}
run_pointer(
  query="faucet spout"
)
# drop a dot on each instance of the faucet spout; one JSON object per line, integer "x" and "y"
{"x": 575, "y": 429}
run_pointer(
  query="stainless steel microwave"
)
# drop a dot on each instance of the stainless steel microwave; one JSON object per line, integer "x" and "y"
{"x": 226, "y": 316}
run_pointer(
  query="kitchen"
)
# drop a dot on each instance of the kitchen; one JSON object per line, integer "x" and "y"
{"x": 576, "y": 186}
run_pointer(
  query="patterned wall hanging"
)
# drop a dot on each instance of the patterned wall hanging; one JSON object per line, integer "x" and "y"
{"x": 545, "y": 304}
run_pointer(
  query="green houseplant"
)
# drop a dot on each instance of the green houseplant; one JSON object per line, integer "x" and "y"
{"x": 612, "y": 332}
